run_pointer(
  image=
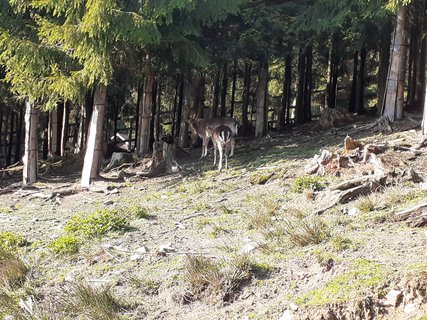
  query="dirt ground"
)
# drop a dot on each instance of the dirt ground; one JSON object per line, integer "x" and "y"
{"x": 200, "y": 212}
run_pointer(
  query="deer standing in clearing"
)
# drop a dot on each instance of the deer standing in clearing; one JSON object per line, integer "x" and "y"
{"x": 204, "y": 128}
{"x": 223, "y": 140}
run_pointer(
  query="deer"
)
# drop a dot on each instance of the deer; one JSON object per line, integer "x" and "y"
{"x": 204, "y": 127}
{"x": 223, "y": 140}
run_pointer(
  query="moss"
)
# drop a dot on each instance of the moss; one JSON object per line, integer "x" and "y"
{"x": 308, "y": 182}
{"x": 362, "y": 275}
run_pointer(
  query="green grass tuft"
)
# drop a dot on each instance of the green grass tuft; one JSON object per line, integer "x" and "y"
{"x": 314, "y": 183}
{"x": 10, "y": 241}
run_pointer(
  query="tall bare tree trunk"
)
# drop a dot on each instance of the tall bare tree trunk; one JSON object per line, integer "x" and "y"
{"x": 31, "y": 144}
{"x": 145, "y": 109}
{"x": 158, "y": 110}
{"x": 384, "y": 57}
{"x": 186, "y": 109}
{"x": 331, "y": 86}
{"x": 95, "y": 136}
{"x": 10, "y": 138}
{"x": 299, "y": 112}
{"x": 360, "y": 100}
{"x": 395, "y": 89}
{"x": 286, "y": 97}
{"x": 64, "y": 131}
{"x": 261, "y": 108}
{"x": 53, "y": 133}
{"x": 353, "y": 90}
{"x": 246, "y": 96}
{"x": 224, "y": 90}
{"x": 233, "y": 88}
{"x": 215, "y": 93}
{"x": 19, "y": 124}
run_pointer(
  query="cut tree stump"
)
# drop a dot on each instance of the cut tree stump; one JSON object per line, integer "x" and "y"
{"x": 162, "y": 161}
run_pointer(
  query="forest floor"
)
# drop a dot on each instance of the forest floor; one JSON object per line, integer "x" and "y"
{"x": 238, "y": 244}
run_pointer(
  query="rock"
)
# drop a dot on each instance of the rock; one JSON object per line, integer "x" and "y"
{"x": 248, "y": 247}
{"x": 393, "y": 298}
{"x": 119, "y": 158}
{"x": 114, "y": 191}
{"x": 166, "y": 248}
{"x": 108, "y": 202}
{"x": 135, "y": 257}
{"x": 141, "y": 250}
{"x": 287, "y": 315}
{"x": 409, "y": 308}
{"x": 293, "y": 306}
{"x": 353, "y": 212}
{"x": 71, "y": 276}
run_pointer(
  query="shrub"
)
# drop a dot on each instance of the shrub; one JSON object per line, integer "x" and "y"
{"x": 97, "y": 224}
{"x": 10, "y": 241}
{"x": 65, "y": 244}
{"x": 315, "y": 183}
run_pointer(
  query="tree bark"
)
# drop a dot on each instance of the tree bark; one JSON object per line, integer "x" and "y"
{"x": 95, "y": 135}
{"x": 224, "y": 89}
{"x": 64, "y": 131}
{"x": 145, "y": 109}
{"x": 186, "y": 109}
{"x": 331, "y": 87}
{"x": 353, "y": 90}
{"x": 153, "y": 113}
{"x": 180, "y": 105}
{"x": 360, "y": 100}
{"x": 31, "y": 144}
{"x": 299, "y": 112}
{"x": 233, "y": 88}
{"x": 10, "y": 138}
{"x": 158, "y": 111}
{"x": 52, "y": 133}
{"x": 261, "y": 107}
{"x": 246, "y": 97}
{"x": 308, "y": 87}
{"x": 395, "y": 88}
{"x": 19, "y": 124}
{"x": 384, "y": 57}
{"x": 215, "y": 95}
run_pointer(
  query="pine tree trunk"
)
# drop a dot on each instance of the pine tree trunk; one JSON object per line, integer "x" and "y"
{"x": 215, "y": 95}
{"x": 94, "y": 140}
{"x": 80, "y": 132}
{"x": 158, "y": 111}
{"x": 224, "y": 90}
{"x": 299, "y": 112}
{"x": 53, "y": 133}
{"x": 1, "y": 135}
{"x": 360, "y": 100}
{"x": 384, "y": 57}
{"x": 308, "y": 87}
{"x": 64, "y": 131}
{"x": 145, "y": 109}
{"x": 153, "y": 113}
{"x": 175, "y": 106}
{"x": 31, "y": 144}
{"x": 10, "y": 138}
{"x": 414, "y": 49}
{"x": 19, "y": 124}
{"x": 233, "y": 88}
{"x": 353, "y": 90}
{"x": 284, "y": 112}
{"x": 261, "y": 108}
{"x": 331, "y": 87}
{"x": 180, "y": 105}
{"x": 60, "y": 115}
{"x": 421, "y": 79}
{"x": 395, "y": 88}
{"x": 183, "y": 141}
{"x": 138, "y": 103}
{"x": 246, "y": 97}
{"x": 200, "y": 97}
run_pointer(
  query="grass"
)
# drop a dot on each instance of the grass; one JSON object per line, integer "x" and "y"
{"x": 368, "y": 203}
{"x": 363, "y": 275}
{"x": 12, "y": 270}
{"x": 208, "y": 277}
{"x": 65, "y": 244}
{"x": 137, "y": 212}
{"x": 93, "y": 303}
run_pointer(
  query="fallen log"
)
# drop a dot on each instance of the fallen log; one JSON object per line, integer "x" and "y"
{"x": 415, "y": 216}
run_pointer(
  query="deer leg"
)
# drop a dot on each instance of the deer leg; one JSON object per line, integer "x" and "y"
{"x": 233, "y": 142}
{"x": 220, "y": 149}
{"x": 215, "y": 146}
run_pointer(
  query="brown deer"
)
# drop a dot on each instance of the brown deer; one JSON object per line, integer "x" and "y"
{"x": 204, "y": 127}
{"x": 223, "y": 140}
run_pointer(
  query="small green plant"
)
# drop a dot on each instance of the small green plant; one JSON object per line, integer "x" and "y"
{"x": 97, "y": 224}
{"x": 10, "y": 241}
{"x": 93, "y": 303}
{"x": 138, "y": 212}
{"x": 66, "y": 244}
{"x": 12, "y": 270}
{"x": 368, "y": 203}
{"x": 148, "y": 286}
{"x": 303, "y": 231}
{"x": 260, "y": 177}
{"x": 340, "y": 243}
{"x": 314, "y": 183}
{"x": 223, "y": 278}
{"x": 362, "y": 275}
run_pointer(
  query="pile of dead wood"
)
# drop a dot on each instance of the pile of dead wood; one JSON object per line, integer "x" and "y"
{"x": 368, "y": 173}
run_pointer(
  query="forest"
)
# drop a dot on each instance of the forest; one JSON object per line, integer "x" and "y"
{"x": 318, "y": 107}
